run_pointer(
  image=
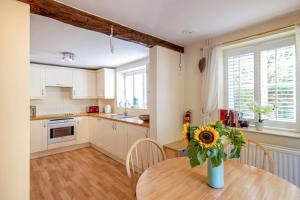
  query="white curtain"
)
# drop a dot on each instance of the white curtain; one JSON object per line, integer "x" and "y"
{"x": 212, "y": 87}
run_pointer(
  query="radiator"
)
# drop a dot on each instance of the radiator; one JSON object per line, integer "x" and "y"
{"x": 286, "y": 160}
{"x": 287, "y": 163}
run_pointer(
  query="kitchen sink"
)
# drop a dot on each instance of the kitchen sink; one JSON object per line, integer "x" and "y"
{"x": 120, "y": 116}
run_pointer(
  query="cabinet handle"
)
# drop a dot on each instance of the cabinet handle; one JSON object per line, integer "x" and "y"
{"x": 42, "y": 92}
{"x": 44, "y": 124}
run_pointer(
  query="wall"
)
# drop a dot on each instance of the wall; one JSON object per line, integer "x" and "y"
{"x": 166, "y": 94}
{"x": 59, "y": 101}
{"x": 14, "y": 101}
{"x": 193, "y": 77}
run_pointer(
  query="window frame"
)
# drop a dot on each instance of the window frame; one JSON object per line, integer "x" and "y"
{"x": 256, "y": 48}
{"x": 142, "y": 69}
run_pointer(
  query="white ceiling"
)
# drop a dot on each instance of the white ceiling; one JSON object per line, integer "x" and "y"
{"x": 48, "y": 38}
{"x": 167, "y": 19}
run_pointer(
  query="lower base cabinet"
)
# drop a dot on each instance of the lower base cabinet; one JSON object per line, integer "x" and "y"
{"x": 115, "y": 137}
{"x": 38, "y": 136}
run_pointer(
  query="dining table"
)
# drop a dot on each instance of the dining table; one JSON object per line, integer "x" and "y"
{"x": 175, "y": 179}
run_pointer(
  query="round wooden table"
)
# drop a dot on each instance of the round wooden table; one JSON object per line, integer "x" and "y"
{"x": 174, "y": 179}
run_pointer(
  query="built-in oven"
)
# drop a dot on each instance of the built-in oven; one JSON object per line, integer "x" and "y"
{"x": 61, "y": 130}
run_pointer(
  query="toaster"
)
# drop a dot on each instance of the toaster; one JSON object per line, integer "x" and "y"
{"x": 92, "y": 109}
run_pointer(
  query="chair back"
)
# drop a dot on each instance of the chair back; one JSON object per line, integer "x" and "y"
{"x": 254, "y": 154}
{"x": 143, "y": 154}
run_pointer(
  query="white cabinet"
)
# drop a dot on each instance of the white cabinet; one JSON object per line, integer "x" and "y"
{"x": 38, "y": 136}
{"x": 82, "y": 130}
{"x": 136, "y": 132}
{"x": 37, "y": 82}
{"x": 106, "y": 83}
{"x": 84, "y": 84}
{"x": 120, "y": 141}
{"x": 58, "y": 77}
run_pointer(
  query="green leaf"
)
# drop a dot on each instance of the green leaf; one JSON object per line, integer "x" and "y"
{"x": 194, "y": 161}
{"x": 201, "y": 156}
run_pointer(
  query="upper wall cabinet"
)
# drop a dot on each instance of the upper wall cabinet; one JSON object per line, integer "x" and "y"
{"x": 106, "y": 83}
{"x": 58, "y": 77}
{"x": 37, "y": 82}
{"x": 84, "y": 84}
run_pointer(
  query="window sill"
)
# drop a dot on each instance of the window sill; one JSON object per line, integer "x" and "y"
{"x": 275, "y": 132}
{"x": 134, "y": 108}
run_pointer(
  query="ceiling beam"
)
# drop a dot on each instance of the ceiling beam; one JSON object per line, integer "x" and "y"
{"x": 81, "y": 19}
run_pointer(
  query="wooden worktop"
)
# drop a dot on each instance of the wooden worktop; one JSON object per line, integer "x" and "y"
{"x": 132, "y": 120}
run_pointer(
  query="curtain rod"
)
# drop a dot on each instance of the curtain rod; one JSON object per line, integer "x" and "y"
{"x": 286, "y": 28}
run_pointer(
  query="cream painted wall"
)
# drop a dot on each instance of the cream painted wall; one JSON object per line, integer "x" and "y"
{"x": 193, "y": 77}
{"x": 166, "y": 94}
{"x": 14, "y": 101}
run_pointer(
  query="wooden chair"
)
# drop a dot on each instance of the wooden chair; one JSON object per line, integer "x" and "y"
{"x": 143, "y": 154}
{"x": 256, "y": 155}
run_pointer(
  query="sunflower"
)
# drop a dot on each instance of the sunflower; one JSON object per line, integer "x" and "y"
{"x": 186, "y": 133}
{"x": 243, "y": 136}
{"x": 206, "y": 136}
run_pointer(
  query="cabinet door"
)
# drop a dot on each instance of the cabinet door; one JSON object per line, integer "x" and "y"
{"x": 100, "y": 83}
{"x": 136, "y": 132}
{"x": 120, "y": 141}
{"x": 109, "y": 84}
{"x": 37, "y": 80}
{"x": 38, "y": 136}
{"x": 59, "y": 77}
{"x": 82, "y": 130}
{"x": 84, "y": 84}
{"x": 106, "y": 83}
{"x": 93, "y": 129}
{"x": 106, "y": 135}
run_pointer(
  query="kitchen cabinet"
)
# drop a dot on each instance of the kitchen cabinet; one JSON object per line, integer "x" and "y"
{"x": 136, "y": 132}
{"x": 82, "y": 130}
{"x": 38, "y": 136}
{"x": 106, "y": 83}
{"x": 59, "y": 77}
{"x": 84, "y": 84}
{"x": 37, "y": 82}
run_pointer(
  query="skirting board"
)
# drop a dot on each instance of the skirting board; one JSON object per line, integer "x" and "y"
{"x": 58, "y": 150}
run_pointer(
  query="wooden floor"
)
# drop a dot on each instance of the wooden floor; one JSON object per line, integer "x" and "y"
{"x": 84, "y": 174}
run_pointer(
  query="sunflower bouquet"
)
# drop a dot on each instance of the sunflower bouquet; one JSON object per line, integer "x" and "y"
{"x": 209, "y": 141}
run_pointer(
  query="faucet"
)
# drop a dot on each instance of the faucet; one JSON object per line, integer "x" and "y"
{"x": 125, "y": 106}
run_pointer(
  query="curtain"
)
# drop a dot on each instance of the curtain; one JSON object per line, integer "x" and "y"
{"x": 212, "y": 87}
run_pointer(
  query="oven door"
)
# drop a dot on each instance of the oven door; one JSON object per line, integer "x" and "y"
{"x": 61, "y": 132}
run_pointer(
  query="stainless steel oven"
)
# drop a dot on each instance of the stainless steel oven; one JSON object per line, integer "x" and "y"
{"x": 61, "y": 130}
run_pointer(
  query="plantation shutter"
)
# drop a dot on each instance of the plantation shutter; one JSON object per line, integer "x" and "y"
{"x": 241, "y": 83}
{"x": 278, "y": 82}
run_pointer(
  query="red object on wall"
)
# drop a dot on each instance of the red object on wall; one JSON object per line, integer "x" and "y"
{"x": 187, "y": 117}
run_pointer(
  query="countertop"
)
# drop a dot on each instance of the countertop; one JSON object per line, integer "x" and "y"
{"x": 132, "y": 120}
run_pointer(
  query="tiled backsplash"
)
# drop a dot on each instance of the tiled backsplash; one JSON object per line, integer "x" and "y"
{"x": 59, "y": 101}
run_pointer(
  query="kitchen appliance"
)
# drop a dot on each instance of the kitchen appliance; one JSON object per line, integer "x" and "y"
{"x": 92, "y": 109}
{"x": 32, "y": 111}
{"x": 107, "y": 109}
{"x": 61, "y": 130}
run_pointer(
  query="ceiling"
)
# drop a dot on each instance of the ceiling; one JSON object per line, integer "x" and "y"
{"x": 48, "y": 38}
{"x": 168, "y": 19}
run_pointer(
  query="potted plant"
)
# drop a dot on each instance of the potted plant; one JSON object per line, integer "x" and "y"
{"x": 260, "y": 111}
{"x": 207, "y": 143}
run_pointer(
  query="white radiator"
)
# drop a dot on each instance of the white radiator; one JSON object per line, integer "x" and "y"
{"x": 287, "y": 161}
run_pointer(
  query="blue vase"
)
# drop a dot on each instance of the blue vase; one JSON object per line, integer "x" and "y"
{"x": 215, "y": 174}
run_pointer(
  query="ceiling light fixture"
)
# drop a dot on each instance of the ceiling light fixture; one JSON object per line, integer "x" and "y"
{"x": 68, "y": 57}
{"x": 111, "y": 37}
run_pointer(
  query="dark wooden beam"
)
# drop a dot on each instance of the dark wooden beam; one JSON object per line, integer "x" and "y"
{"x": 75, "y": 17}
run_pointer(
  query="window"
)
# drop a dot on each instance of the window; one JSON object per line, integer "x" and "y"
{"x": 265, "y": 73}
{"x": 132, "y": 87}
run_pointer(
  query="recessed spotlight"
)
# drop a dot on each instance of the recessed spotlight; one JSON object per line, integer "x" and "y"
{"x": 187, "y": 32}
